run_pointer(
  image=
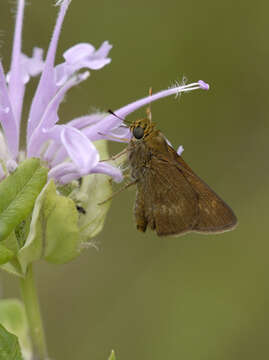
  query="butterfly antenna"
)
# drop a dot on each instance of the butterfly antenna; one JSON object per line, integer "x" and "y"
{"x": 148, "y": 110}
{"x": 112, "y": 113}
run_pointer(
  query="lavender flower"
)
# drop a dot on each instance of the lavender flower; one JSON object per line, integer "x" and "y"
{"x": 68, "y": 150}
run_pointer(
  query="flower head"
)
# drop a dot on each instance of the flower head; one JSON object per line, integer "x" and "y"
{"x": 55, "y": 154}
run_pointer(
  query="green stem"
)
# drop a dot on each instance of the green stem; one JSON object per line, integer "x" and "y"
{"x": 31, "y": 303}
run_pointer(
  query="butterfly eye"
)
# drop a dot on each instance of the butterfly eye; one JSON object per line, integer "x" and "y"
{"x": 138, "y": 132}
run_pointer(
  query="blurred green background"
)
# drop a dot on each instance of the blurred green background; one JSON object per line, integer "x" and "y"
{"x": 194, "y": 297}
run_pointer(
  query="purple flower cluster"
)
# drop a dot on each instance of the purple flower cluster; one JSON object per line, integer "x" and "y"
{"x": 68, "y": 150}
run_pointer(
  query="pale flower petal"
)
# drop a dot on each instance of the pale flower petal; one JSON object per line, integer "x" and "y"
{"x": 30, "y": 66}
{"x": 82, "y": 56}
{"x": 78, "y": 53}
{"x": 16, "y": 84}
{"x": 80, "y": 149}
{"x": 50, "y": 116}
{"x": 87, "y": 120}
{"x": 105, "y": 168}
{"x": 59, "y": 156}
{"x": 61, "y": 170}
{"x": 51, "y": 152}
{"x": 103, "y": 51}
{"x": 46, "y": 88}
{"x": 7, "y": 118}
{"x": 67, "y": 178}
{"x": 34, "y": 65}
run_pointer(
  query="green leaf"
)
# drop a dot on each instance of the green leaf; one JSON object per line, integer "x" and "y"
{"x": 13, "y": 318}
{"x": 18, "y": 193}
{"x": 11, "y": 243}
{"x": 5, "y": 254}
{"x": 95, "y": 189}
{"x": 9, "y": 346}
{"x": 53, "y": 231}
{"x": 112, "y": 355}
{"x": 12, "y": 266}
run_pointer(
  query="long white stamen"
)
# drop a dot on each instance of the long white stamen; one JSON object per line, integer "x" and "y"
{"x": 111, "y": 121}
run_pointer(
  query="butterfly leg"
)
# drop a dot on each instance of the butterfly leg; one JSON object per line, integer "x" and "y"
{"x": 117, "y": 156}
{"x": 119, "y": 191}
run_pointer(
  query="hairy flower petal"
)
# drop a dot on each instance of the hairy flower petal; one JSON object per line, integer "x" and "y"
{"x": 16, "y": 85}
{"x": 103, "y": 51}
{"x": 50, "y": 116}
{"x": 30, "y": 66}
{"x": 72, "y": 143}
{"x": 119, "y": 134}
{"x": 66, "y": 172}
{"x": 84, "y": 123}
{"x": 80, "y": 56}
{"x": 78, "y": 53}
{"x": 106, "y": 168}
{"x": 67, "y": 178}
{"x": 34, "y": 65}
{"x": 51, "y": 151}
{"x": 46, "y": 88}
{"x": 59, "y": 156}
{"x": 86, "y": 120}
{"x": 7, "y": 118}
{"x": 61, "y": 170}
{"x": 80, "y": 149}
{"x": 55, "y": 153}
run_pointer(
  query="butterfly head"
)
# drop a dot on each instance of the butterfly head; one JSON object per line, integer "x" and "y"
{"x": 141, "y": 128}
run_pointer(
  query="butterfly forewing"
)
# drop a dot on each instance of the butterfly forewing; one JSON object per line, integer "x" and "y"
{"x": 171, "y": 198}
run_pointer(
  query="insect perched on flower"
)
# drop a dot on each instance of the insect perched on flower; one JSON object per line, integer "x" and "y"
{"x": 171, "y": 198}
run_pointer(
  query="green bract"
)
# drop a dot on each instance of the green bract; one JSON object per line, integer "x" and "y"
{"x": 94, "y": 189}
{"x": 54, "y": 233}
